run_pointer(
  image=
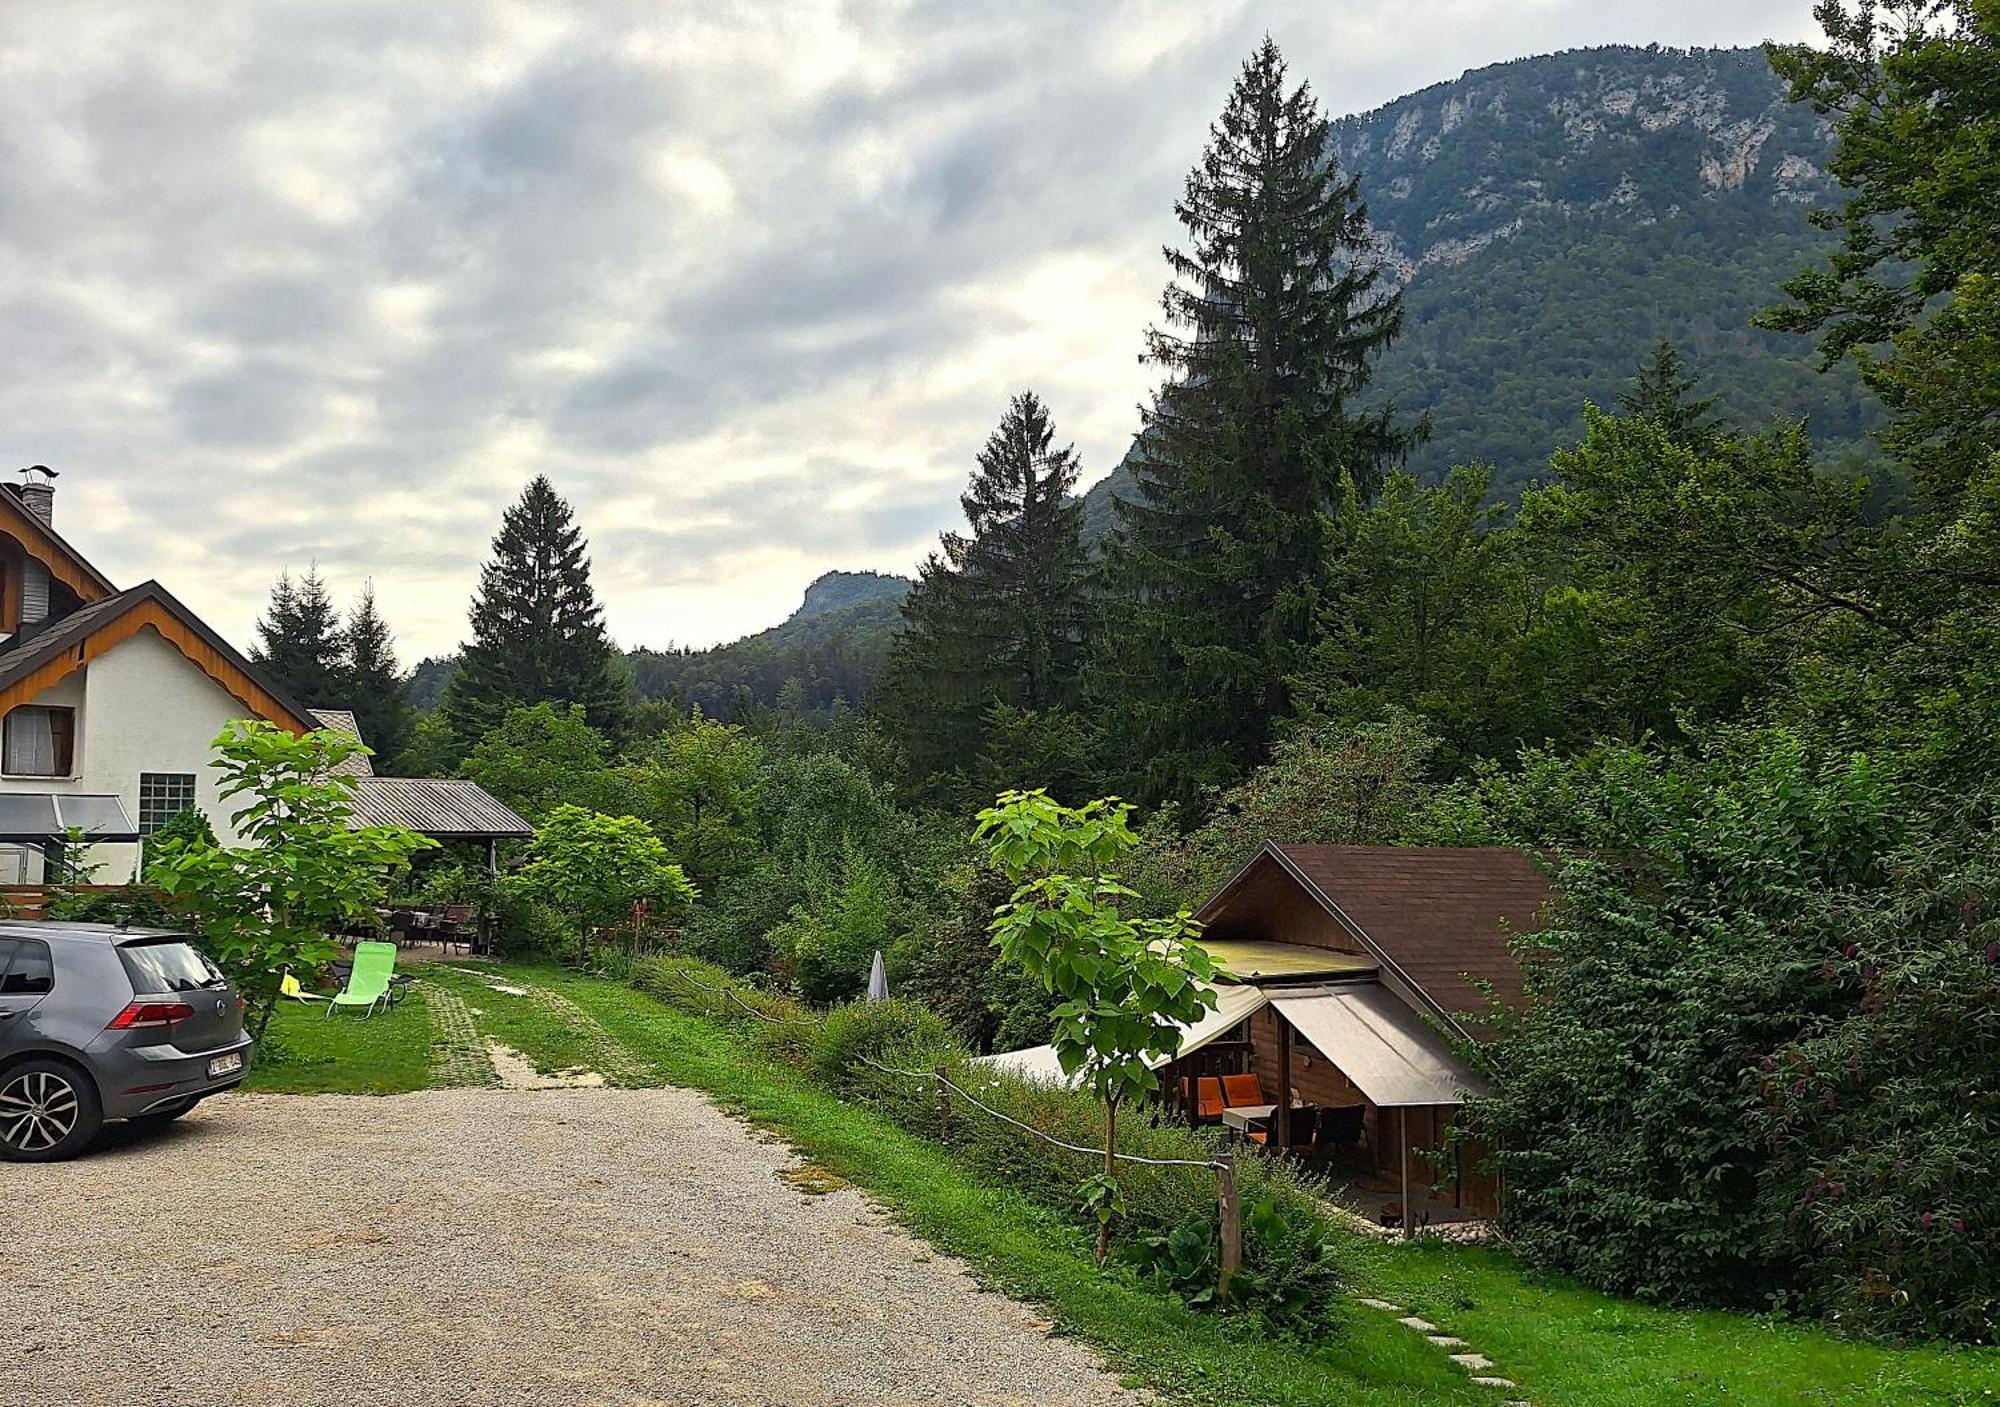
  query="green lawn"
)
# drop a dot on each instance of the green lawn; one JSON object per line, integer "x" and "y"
{"x": 345, "y": 1053}
{"x": 1565, "y": 1346}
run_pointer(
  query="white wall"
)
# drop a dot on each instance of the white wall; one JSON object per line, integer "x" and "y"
{"x": 142, "y": 707}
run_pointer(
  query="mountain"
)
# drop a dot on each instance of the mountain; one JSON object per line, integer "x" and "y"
{"x": 1551, "y": 219}
{"x": 833, "y": 645}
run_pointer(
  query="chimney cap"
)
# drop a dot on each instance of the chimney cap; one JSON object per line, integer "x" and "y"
{"x": 39, "y": 469}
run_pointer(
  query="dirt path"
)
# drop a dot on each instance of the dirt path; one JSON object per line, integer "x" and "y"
{"x": 488, "y": 1247}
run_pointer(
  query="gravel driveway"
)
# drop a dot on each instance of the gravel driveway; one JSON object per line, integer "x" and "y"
{"x": 484, "y": 1247}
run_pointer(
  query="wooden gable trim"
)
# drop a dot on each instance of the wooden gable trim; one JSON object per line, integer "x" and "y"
{"x": 65, "y": 564}
{"x": 151, "y": 614}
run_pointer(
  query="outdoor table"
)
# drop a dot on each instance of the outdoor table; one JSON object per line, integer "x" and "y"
{"x": 1242, "y": 1118}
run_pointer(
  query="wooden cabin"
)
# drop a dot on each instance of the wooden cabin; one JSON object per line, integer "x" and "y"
{"x": 1365, "y": 962}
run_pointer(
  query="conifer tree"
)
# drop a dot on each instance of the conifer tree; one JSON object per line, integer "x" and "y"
{"x": 537, "y": 628}
{"x": 1663, "y": 393}
{"x": 374, "y": 686}
{"x": 299, "y": 641}
{"x": 996, "y": 616}
{"x": 1274, "y": 313}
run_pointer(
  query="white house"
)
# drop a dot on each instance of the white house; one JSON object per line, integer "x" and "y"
{"x": 110, "y": 699}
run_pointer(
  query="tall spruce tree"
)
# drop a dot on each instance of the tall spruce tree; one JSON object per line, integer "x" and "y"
{"x": 996, "y": 616}
{"x": 299, "y": 640}
{"x": 1274, "y": 312}
{"x": 374, "y": 685}
{"x": 537, "y": 628}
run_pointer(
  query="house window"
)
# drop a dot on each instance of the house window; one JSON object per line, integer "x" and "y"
{"x": 162, "y": 796}
{"x": 39, "y": 742}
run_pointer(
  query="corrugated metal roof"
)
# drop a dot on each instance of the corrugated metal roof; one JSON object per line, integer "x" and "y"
{"x": 1380, "y": 1044}
{"x": 343, "y": 721}
{"x": 444, "y": 807}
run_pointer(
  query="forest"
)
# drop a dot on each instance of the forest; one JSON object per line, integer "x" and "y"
{"x": 1741, "y": 690}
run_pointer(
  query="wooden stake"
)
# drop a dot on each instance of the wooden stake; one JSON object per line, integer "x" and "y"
{"x": 1283, "y": 1135}
{"x": 1231, "y": 1208}
{"x": 1403, "y": 1137}
{"x": 944, "y": 1108}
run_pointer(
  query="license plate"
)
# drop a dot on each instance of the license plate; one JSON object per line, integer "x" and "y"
{"x": 225, "y": 1065}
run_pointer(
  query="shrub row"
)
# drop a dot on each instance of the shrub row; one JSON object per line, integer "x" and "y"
{"x": 1170, "y": 1230}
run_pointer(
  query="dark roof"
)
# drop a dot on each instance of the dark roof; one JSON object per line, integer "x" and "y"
{"x": 342, "y": 721}
{"x": 1434, "y": 915}
{"x": 46, "y": 644}
{"x": 446, "y": 808}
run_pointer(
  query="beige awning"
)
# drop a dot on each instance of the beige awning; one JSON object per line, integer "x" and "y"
{"x": 1233, "y": 1006}
{"x": 1390, "y": 1053}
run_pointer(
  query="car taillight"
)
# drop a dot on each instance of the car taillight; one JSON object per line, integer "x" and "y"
{"x": 142, "y": 1015}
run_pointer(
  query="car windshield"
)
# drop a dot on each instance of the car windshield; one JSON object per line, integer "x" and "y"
{"x": 167, "y": 965}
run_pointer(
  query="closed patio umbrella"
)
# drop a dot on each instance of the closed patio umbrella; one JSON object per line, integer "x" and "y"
{"x": 878, "y": 979}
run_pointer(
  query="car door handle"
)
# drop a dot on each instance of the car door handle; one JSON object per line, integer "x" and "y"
{"x": 7, "y": 1015}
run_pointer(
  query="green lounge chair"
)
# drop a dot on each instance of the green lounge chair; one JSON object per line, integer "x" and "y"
{"x": 368, "y": 982}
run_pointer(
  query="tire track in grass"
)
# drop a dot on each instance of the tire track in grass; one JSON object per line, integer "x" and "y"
{"x": 458, "y": 1056}
{"x": 601, "y": 1052}
{"x": 609, "y": 1056}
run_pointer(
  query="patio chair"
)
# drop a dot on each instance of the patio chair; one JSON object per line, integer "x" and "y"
{"x": 1207, "y": 1096}
{"x": 1239, "y": 1090}
{"x": 455, "y": 927}
{"x": 369, "y": 983}
{"x": 1304, "y": 1130}
{"x": 1342, "y": 1127}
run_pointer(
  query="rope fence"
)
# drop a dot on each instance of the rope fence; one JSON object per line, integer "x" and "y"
{"x": 1228, "y": 1203}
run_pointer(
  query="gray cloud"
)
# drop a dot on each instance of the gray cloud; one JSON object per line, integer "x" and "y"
{"x": 291, "y": 282}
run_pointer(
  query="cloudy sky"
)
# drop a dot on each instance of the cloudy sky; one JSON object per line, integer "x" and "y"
{"x": 293, "y": 283}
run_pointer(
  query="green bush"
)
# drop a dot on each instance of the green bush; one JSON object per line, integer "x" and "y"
{"x": 130, "y": 906}
{"x": 896, "y": 1032}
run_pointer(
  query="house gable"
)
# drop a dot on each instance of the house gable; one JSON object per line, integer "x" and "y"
{"x": 73, "y": 642}
{"x": 1438, "y": 921}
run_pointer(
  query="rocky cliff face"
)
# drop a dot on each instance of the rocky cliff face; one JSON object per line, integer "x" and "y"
{"x": 1638, "y": 134}
{"x": 1553, "y": 218}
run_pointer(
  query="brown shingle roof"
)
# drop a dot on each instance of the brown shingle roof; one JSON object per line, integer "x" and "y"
{"x": 1436, "y": 914}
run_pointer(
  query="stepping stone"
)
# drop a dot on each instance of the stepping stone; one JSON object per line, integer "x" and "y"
{"x": 1472, "y": 1362}
{"x": 1382, "y": 1305}
{"x": 1494, "y": 1382}
{"x": 1422, "y": 1326}
{"x": 1446, "y": 1341}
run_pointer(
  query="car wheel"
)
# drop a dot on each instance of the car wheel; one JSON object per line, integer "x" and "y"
{"x": 48, "y": 1111}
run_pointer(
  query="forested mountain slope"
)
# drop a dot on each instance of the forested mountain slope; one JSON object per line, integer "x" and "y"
{"x": 833, "y": 644}
{"x": 1555, "y": 217}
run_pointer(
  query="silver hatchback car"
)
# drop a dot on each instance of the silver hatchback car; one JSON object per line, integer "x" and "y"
{"x": 101, "y": 1023}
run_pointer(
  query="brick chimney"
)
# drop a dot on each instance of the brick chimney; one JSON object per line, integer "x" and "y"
{"x": 38, "y": 491}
